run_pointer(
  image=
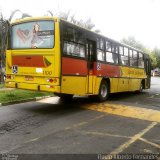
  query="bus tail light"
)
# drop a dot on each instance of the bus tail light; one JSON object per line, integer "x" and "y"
{"x": 52, "y": 80}
{"x": 49, "y": 86}
{"x": 55, "y": 80}
{"x": 9, "y": 77}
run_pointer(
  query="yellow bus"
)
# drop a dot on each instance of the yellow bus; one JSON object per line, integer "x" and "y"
{"x": 53, "y": 55}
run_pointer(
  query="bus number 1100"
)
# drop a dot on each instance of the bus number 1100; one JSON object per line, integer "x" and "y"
{"x": 47, "y": 73}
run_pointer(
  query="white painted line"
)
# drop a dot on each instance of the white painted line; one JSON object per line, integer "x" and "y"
{"x": 151, "y": 143}
{"x": 132, "y": 140}
{"x": 103, "y": 134}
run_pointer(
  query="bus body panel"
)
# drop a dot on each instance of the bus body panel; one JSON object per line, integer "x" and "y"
{"x": 96, "y": 84}
{"x": 122, "y": 78}
{"x": 74, "y": 85}
{"x": 37, "y": 69}
{"x": 74, "y": 76}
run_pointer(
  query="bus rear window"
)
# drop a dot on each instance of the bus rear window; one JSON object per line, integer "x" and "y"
{"x": 37, "y": 34}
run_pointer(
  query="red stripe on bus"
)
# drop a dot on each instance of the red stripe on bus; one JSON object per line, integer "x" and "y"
{"x": 71, "y": 66}
{"x": 108, "y": 70}
{"x": 28, "y": 61}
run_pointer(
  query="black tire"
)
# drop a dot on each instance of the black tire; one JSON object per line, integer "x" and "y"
{"x": 66, "y": 97}
{"x": 103, "y": 91}
{"x": 141, "y": 88}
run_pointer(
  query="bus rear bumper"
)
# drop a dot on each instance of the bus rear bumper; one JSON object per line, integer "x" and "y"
{"x": 30, "y": 86}
{"x": 10, "y": 84}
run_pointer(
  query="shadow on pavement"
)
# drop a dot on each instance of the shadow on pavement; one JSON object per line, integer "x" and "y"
{"x": 58, "y": 106}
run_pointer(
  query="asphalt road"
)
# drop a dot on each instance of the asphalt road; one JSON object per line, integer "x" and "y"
{"x": 126, "y": 123}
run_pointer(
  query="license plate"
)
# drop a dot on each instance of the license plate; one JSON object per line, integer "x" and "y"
{"x": 29, "y": 78}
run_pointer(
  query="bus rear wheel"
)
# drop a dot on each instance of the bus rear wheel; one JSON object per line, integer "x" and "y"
{"x": 103, "y": 91}
{"x": 141, "y": 88}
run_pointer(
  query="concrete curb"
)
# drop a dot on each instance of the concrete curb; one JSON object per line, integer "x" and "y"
{"x": 24, "y": 100}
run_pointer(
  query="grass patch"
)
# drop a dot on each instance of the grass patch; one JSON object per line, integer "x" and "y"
{"x": 19, "y": 94}
{"x": 1, "y": 85}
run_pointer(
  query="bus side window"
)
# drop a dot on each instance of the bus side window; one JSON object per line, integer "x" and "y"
{"x": 68, "y": 33}
{"x": 123, "y": 56}
{"x": 79, "y": 37}
{"x": 148, "y": 67}
{"x": 140, "y": 60}
{"x": 108, "y": 46}
{"x": 100, "y": 55}
{"x": 115, "y": 53}
{"x": 73, "y": 42}
{"x": 100, "y": 49}
{"x": 120, "y": 50}
{"x": 111, "y": 52}
{"x": 100, "y": 43}
{"x": 73, "y": 49}
{"x": 134, "y": 59}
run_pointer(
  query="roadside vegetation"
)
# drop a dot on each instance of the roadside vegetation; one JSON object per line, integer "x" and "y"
{"x": 154, "y": 53}
{"x": 1, "y": 86}
{"x": 14, "y": 95}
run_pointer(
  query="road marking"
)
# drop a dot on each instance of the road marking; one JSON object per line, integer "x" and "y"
{"x": 32, "y": 140}
{"x": 156, "y": 140}
{"x": 126, "y": 111}
{"x": 151, "y": 143}
{"x": 76, "y": 125}
{"x": 84, "y": 122}
{"x": 133, "y": 139}
{"x": 97, "y": 117}
{"x": 102, "y": 134}
{"x": 19, "y": 145}
{"x": 151, "y": 96}
{"x": 148, "y": 151}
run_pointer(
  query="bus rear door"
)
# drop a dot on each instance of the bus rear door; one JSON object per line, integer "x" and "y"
{"x": 148, "y": 72}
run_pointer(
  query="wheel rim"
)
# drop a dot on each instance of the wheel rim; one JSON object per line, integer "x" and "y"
{"x": 103, "y": 91}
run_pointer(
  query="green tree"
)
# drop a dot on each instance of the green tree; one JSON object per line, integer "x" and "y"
{"x": 156, "y": 52}
{"x": 131, "y": 41}
{"x": 68, "y": 16}
{"x": 4, "y": 27}
{"x": 154, "y": 60}
{"x": 23, "y": 15}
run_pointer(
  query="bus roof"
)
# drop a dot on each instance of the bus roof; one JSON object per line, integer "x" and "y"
{"x": 60, "y": 19}
{"x": 33, "y": 19}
